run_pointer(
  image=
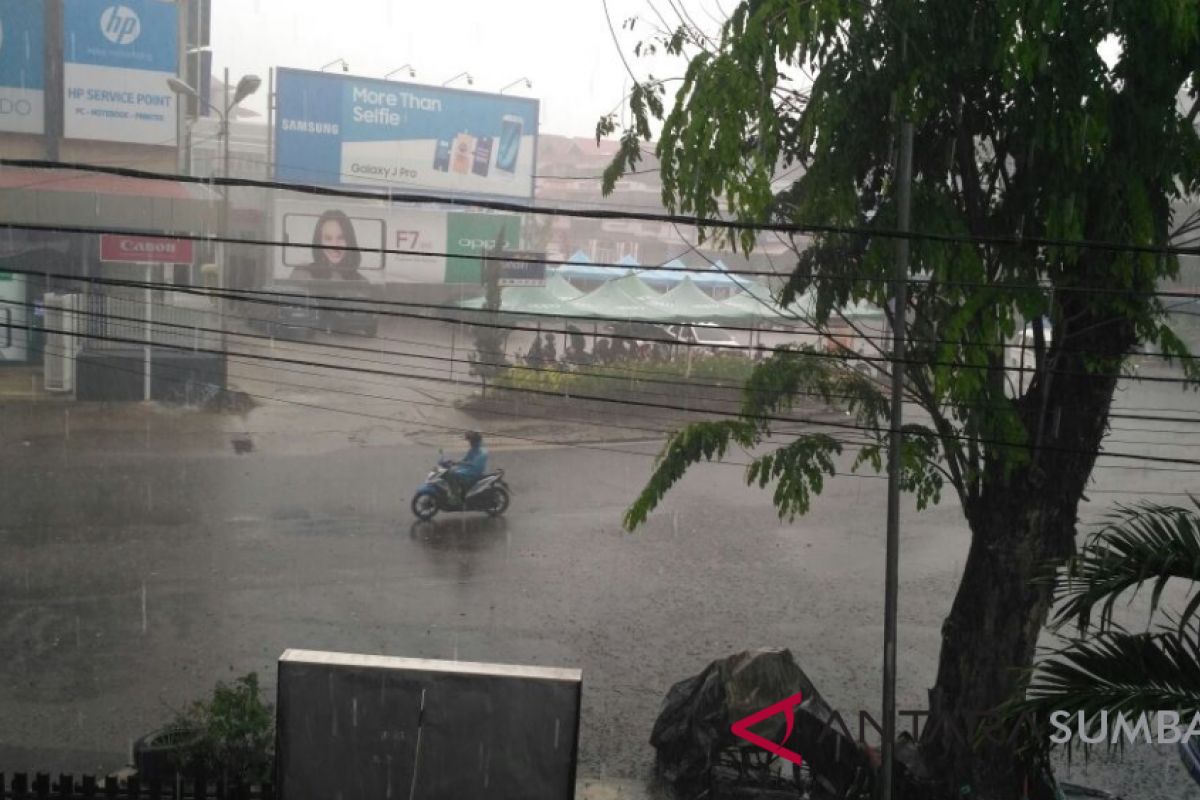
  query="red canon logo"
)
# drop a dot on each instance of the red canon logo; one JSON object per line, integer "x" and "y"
{"x": 144, "y": 249}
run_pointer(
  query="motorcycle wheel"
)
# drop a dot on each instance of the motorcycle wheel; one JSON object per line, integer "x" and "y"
{"x": 498, "y": 502}
{"x": 424, "y": 506}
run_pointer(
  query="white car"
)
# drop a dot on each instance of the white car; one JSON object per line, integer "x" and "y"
{"x": 708, "y": 334}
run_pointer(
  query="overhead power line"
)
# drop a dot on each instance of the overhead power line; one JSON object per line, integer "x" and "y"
{"x": 623, "y": 402}
{"x": 214, "y": 238}
{"x": 700, "y": 222}
{"x": 245, "y": 297}
{"x": 643, "y": 375}
{"x": 535, "y": 440}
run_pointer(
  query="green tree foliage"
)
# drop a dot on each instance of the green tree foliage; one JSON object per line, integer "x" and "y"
{"x": 1023, "y": 132}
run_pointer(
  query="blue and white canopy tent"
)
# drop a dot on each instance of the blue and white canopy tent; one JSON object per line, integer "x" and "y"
{"x": 580, "y": 267}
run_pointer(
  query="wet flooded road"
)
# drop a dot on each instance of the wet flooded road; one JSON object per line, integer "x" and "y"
{"x": 134, "y": 576}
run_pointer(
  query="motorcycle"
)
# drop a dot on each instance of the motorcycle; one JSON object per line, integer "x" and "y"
{"x": 490, "y": 494}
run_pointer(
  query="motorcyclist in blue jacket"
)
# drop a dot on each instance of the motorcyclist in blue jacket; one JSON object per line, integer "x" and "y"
{"x": 466, "y": 472}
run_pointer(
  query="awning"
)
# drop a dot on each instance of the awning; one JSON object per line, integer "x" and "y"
{"x": 68, "y": 197}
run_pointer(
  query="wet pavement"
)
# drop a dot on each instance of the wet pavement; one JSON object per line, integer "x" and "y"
{"x": 143, "y": 556}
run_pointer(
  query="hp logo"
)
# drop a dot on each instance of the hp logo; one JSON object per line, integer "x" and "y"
{"x": 120, "y": 25}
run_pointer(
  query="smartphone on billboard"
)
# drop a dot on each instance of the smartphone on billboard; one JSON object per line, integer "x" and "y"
{"x": 511, "y": 128}
{"x": 483, "y": 156}
{"x": 463, "y": 153}
{"x": 441, "y": 158}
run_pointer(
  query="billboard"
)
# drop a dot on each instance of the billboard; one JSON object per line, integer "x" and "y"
{"x": 426, "y": 236}
{"x": 22, "y": 84}
{"x": 117, "y": 57}
{"x": 342, "y": 130}
{"x": 522, "y": 268}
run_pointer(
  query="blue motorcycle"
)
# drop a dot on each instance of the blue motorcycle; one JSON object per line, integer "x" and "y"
{"x": 490, "y": 494}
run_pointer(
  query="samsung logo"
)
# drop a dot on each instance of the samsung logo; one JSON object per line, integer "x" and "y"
{"x": 305, "y": 126}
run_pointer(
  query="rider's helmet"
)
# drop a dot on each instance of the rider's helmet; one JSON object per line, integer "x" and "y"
{"x": 474, "y": 437}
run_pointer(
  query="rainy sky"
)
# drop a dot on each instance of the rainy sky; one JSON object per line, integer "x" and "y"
{"x": 564, "y": 47}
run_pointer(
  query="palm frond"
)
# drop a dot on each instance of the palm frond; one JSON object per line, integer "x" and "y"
{"x": 1145, "y": 543}
{"x": 1119, "y": 673}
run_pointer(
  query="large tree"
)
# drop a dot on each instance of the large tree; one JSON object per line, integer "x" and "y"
{"x": 1035, "y": 120}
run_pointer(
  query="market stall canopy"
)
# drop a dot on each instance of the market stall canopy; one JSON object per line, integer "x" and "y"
{"x": 715, "y": 275}
{"x": 533, "y": 300}
{"x": 561, "y": 288}
{"x": 637, "y": 287}
{"x": 669, "y": 274}
{"x": 675, "y": 271}
{"x": 755, "y": 302}
{"x": 613, "y": 302}
{"x": 687, "y": 301}
{"x": 580, "y": 267}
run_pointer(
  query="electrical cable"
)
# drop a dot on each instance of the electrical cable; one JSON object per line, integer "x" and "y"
{"x": 634, "y": 403}
{"x": 140, "y": 321}
{"x": 770, "y": 440}
{"x": 251, "y": 295}
{"x": 516, "y": 259}
{"x": 733, "y": 225}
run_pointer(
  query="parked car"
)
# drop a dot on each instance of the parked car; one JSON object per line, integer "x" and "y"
{"x": 708, "y": 334}
{"x": 639, "y": 332}
{"x": 293, "y": 316}
{"x": 347, "y": 314}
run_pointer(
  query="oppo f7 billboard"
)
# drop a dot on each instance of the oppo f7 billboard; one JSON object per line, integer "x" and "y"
{"x": 342, "y": 130}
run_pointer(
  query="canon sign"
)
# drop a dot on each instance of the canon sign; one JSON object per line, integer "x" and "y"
{"x": 144, "y": 250}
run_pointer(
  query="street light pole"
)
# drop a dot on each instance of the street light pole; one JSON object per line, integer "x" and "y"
{"x": 247, "y": 86}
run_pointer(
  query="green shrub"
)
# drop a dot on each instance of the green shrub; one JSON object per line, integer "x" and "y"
{"x": 236, "y": 733}
{"x": 631, "y": 376}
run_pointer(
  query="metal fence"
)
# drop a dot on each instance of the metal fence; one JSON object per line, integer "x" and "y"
{"x": 118, "y": 323}
{"x": 67, "y": 787}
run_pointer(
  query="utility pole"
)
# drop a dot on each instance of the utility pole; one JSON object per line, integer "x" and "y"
{"x": 895, "y": 442}
{"x": 222, "y": 279}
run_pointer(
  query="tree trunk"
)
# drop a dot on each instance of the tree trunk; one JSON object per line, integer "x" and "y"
{"x": 1021, "y": 523}
{"x": 988, "y": 639}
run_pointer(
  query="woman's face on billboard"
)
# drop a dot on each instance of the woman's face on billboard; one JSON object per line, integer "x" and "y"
{"x": 332, "y": 234}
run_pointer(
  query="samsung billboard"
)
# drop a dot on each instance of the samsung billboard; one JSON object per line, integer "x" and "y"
{"x": 342, "y": 130}
{"x": 117, "y": 57}
{"x": 22, "y": 87}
